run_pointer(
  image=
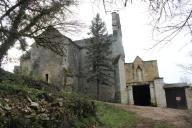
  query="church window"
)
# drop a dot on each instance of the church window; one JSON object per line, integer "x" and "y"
{"x": 47, "y": 78}
{"x": 139, "y": 74}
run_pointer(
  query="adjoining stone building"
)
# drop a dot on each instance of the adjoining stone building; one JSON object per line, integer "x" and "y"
{"x": 134, "y": 83}
{"x": 144, "y": 85}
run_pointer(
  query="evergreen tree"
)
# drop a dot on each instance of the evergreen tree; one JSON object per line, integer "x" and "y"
{"x": 99, "y": 62}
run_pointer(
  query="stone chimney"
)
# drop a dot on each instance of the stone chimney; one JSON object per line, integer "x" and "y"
{"x": 117, "y": 36}
{"x": 116, "y": 25}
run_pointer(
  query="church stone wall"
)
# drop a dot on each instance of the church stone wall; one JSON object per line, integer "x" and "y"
{"x": 82, "y": 65}
{"x": 122, "y": 78}
{"x": 74, "y": 65}
{"x": 130, "y": 95}
{"x": 43, "y": 62}
{"x": 152, "y": 93}
{"x": 188, "y": 92}
{"x": 149, "y": 71}
{"x": 129, "y": 72}
{"x": 160, "y": 93}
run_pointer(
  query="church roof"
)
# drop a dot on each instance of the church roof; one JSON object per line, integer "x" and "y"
{"x": 138, "y": 60}
{"x": 82, "y": 42}
{"x": 53, "y": 34}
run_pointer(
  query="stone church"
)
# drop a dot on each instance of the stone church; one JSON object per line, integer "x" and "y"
{"x": 134, "y": 83}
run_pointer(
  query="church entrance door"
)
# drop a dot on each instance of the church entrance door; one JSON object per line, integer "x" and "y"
{"x": 141, "y": 95}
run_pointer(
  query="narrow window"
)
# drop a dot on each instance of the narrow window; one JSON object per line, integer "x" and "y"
{"x": 47, "y": 78}
{"x": 139, "y": 74}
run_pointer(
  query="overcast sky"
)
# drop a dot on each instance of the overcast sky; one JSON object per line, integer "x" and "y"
{"x": 137, "y": 38}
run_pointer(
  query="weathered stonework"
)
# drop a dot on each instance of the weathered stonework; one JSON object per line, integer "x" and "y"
{"x": 145, "y": 73}
{"x": 60, "y": 71}
{"x": 149, "y": 70}
{"x": 130, "y": 95}
{"x": 122, "y": 84}
{"x": 152, "y": 93}
{"x": 160, "y": 92}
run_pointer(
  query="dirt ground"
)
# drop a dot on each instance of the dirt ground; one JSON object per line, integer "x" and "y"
{"x": 176, "y": 117}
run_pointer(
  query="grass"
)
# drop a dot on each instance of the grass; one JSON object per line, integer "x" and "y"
{"x": 111, "y": 117}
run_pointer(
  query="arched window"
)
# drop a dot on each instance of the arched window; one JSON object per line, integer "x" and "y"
{"x": 139, "y": 74}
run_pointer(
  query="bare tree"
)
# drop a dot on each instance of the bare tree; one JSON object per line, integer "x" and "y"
{"x": 169, "y": 17}
{"x": 20, "y": 19}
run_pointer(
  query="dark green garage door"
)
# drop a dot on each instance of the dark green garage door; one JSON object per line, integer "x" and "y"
{"x": 176, "y": 97}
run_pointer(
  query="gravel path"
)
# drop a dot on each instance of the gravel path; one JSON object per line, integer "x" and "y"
{"x": 176, "y": 117}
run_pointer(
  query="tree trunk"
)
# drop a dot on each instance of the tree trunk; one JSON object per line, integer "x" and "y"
{"x": 98, "y": 90}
